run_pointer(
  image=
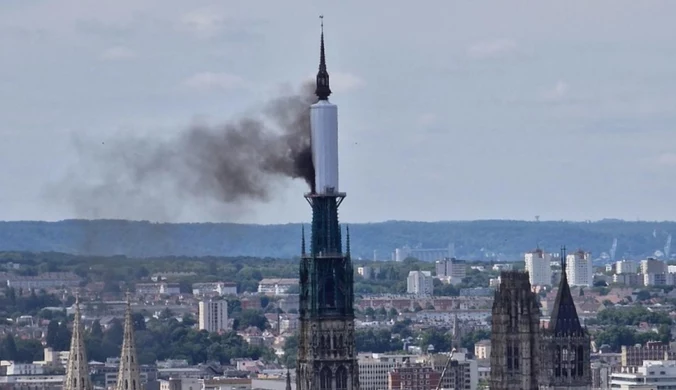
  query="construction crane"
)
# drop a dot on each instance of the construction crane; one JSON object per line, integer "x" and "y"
{"x": 443, "y": 373}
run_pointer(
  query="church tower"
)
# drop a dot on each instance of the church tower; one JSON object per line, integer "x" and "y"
{"x": 326, "y": 346}
{"x": 77, "y": 369}
{"x": 128, "y": 377}
{"x": 566, "y": 345}
{"x": 515, "y": 338}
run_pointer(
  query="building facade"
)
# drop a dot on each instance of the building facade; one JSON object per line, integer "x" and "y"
{"x": 213, "y": 315}
{"x": 539, "y": 268}
{"x": 419, "y": 283}
{"x": 515, "y": 338}
{"x": 579, "y": 269}
{"x": 651, "y": 375}
{"x": 327, "y": 357}
{"x": 625, "y": 267}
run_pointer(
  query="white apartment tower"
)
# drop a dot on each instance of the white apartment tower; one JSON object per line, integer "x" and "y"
{"x": 580, "y": 269}
{"x": 539, "y": 268}
{"x": 625, "y": 267}
{"x": 213, "y": 315}
{"x": 419, "y": 283}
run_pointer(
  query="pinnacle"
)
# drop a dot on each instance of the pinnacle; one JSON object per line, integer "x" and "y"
{"x": 77, "y": 369}
{"x": 128, "y": 376}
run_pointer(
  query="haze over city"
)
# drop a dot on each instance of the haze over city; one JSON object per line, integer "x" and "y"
{"x": 448, "y": 110}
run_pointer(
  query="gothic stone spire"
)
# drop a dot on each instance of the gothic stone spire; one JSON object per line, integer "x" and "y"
{"x": 77, "y": 369}
{"x": 564, "y": 320}
{"x": 128, "y": 378}
{"x": 323, "y": 90}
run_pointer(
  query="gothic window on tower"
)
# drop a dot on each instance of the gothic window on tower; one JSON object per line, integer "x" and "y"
{"x": 580, "y": 360}
{"x": 341, "y": 378}
{"x": 557, "y": 362}
{"x": 329, "y": 290}
{"x": 509, "y": 357}
{"x": 325, "y": 379}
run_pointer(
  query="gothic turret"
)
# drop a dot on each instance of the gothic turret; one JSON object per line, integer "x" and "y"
{"x": 77, "y": 369}
{"x": 128, "y": 377}
{"x": 515, "y": 334}
{"x": 566, "y": 345}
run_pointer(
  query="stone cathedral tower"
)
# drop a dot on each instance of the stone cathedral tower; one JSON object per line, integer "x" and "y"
{"x": 566, "y": 345}
{"x": 326, "y": 346}
{"x": 77, "y": 369}
{"x": 128, "y": 377}
{"x": 515, "y": 338}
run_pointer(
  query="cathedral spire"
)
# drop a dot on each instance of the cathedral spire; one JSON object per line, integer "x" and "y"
{"x": 323, "y": 90}
{"x": 77, "y": 369}
{"x": 564, "y": 319}
{"x": 288, "y": 380}
{"x": 128, "y": 377}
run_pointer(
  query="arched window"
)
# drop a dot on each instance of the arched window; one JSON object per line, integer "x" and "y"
{"x": 126, "y": 383}
{"x": 557, "y": 362}
{"x": 580, "y": 360}
{"x": 341, "y": 378}
{"x": 325, "y": 379}
{"x": 133, "y": 385}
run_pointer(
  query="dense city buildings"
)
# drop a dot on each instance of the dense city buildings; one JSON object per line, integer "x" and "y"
{"x": 327, "y": 356}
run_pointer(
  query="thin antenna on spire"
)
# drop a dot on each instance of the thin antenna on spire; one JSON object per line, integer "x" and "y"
{"x": 563, "y": 259}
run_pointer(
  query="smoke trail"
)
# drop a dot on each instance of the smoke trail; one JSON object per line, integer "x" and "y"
{"x": 240, "y": 161}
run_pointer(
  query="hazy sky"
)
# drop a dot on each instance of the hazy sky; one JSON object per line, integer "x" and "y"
{"x": 448, "y": 109}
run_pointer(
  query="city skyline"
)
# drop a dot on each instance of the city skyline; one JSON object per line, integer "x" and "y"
{"x": 492, "y": 108}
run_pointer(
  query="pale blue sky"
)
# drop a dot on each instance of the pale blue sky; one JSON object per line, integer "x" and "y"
{"x": 448, "y": 109}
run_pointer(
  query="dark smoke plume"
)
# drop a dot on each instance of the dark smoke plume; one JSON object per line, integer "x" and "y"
{"x": 236, "y": 162}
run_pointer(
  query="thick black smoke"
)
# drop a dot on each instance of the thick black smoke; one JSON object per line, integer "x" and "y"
{"x": 241, "y": 161}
